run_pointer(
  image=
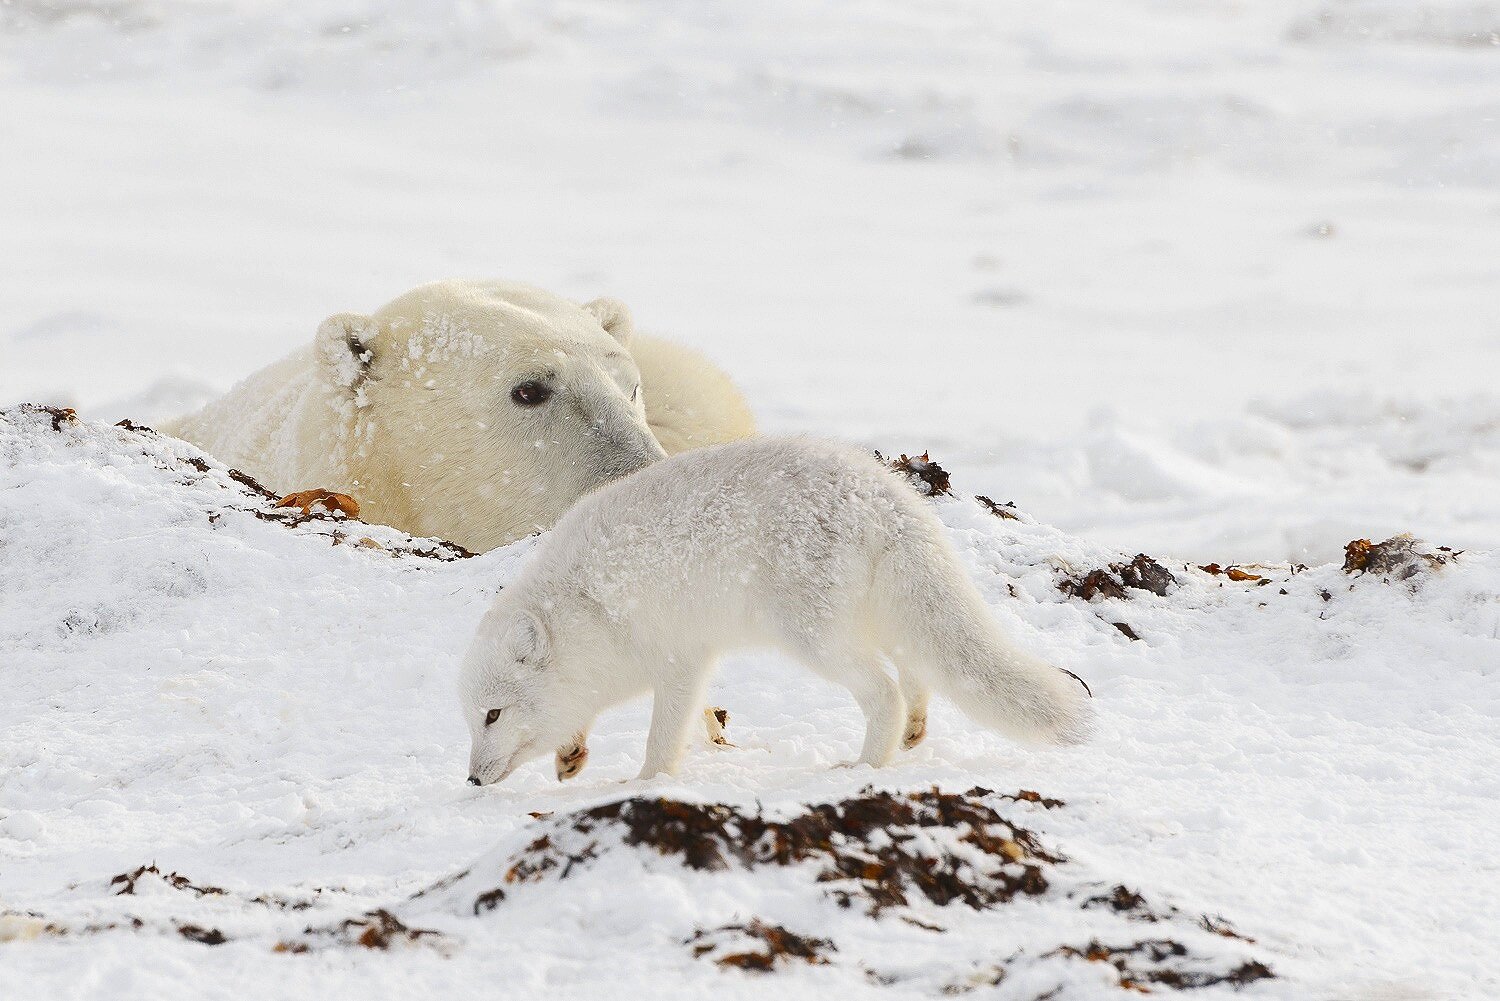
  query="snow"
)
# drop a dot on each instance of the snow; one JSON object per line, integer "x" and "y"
{"x": 1213, "y": 282}
{"x": 268, "y": 709}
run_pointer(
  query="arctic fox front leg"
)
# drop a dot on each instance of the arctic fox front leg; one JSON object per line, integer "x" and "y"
{"x": 674, "y": 707}
{"x": 572, "y": 756}
{"x": 884, "y": 709}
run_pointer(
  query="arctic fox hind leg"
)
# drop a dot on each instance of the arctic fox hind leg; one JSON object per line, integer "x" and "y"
{"x": 916, "y": 693}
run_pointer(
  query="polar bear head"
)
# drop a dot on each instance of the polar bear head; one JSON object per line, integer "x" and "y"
{"x": 484, "y": 404}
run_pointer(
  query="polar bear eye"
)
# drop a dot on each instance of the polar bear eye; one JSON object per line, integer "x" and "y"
{"x": 530, "y": 393}
{"x": 491, "y": 716}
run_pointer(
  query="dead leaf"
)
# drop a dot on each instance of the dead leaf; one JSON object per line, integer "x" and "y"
{"x": 306, "y": 500}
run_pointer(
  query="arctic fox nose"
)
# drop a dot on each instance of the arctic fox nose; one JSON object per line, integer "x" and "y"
{"x": 473, "y": 781}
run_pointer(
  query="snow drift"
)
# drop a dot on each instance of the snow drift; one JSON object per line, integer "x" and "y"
{"x": 230, "y": 746}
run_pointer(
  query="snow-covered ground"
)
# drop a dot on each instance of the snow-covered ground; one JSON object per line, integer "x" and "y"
{"x": 267, "y": 713}
{"x": 1216, "y": 282}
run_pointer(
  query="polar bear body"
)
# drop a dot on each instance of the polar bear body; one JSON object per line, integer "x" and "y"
{"x": 471, "y": 411}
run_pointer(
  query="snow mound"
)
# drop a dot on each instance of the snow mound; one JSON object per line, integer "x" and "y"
{"x": 231, "y": 741}
{"x": 873, "y": 883}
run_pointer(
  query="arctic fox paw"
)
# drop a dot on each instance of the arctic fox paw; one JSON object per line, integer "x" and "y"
{"x": 715, "y": 720}
{"x": 571, "y": 759}
{"x": 916, "y": 732}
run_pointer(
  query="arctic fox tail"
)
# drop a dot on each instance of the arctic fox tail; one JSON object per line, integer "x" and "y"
{"x": 942, "y": 631}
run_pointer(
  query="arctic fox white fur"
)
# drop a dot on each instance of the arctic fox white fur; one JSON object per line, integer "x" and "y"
{"x": 802, "y": 545}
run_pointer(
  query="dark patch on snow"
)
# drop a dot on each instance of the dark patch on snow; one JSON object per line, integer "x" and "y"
{"x": 207, "y": 936}
{"x": 1125, "y": 630}
{"x": 771, "y": 945}
{"x": 1006, "y": 510}
{"x": 59, "y": 415}
{"x": 1397, "y": 558}
{"x": 1142, "y": 573}
{"x": 1132, "y": 904}
{"x": 1234, "y": 573}
{"x": 127, "y": 882}
{"x": 1095, "y": 583}
{"x": 1121, "y": 899}
{"x": 130, "y": 425}
{"x": 1031, "y": 795}
{"x": 318, "y": 499}
{"x": 871, "y": 847}
{"x": 1159, "y": 962}
{"x": 252, "y": 484}
{"x": 1218, "y": 926}
{"x": 1145, "y": 574}
{"x": 488, "y": 900}
{"x": 930, "y": 479}
{"x": 380, "y": 929}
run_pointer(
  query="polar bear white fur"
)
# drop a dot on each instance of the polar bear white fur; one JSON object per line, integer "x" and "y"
{"x": 476, "y": 412}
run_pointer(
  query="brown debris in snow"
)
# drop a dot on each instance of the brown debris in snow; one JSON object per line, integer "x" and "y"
{"x": 868, "y": 845}
{"x": 1142, "y": 574}
{"x": 773, "y": 944}
{"x": 207, "y": 936}
{"x": 1095, "y": 583}
{"x": 930, "y": 479}
{"x": 126, "y": 881}
{"x": 489, "y": 900}
{"x": 327, "y": 500}
{"x": 1142, "y": 965}
{"x": 59, "y": 415}
{"x": 1006, "y": 510}
{"x": 1233, "y": 573}
{"x": 1397, "y": 557}
{"x": 252, "y": 484}
{"x": 380, "y": 929}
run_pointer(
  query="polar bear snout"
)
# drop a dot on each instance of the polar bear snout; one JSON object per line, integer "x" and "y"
{"x": 617, "y": 436}
{"x": 621, "y": 458}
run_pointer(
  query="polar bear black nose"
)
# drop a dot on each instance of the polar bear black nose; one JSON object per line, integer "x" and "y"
{"x": 473, "y": 780}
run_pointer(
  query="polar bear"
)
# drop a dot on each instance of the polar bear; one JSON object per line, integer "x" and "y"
{"x": 473, "y": 411}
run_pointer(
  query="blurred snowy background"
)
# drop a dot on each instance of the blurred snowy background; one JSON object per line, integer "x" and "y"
{"x": 1214, "y": 280}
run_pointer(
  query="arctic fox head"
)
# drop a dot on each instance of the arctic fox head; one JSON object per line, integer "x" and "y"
{"x": 493, "y": 390}
{"x": 506, "y": 693}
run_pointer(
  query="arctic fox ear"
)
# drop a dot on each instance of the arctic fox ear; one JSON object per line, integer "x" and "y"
{"x": 614, "y": 317}
{"x": 344, "y": 349}
{"x": 528, "y": 640}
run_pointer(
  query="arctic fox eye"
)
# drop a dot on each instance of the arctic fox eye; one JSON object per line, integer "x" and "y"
{"x": 635, "y": 394}
{"x": 530, "y": 393}
{"x": 491, "y": 716}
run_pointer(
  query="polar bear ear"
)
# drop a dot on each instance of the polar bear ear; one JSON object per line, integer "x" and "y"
{"x": 344, "y": 348}
{"x": 527, "y": 639}
{"x": 614, "y": 317}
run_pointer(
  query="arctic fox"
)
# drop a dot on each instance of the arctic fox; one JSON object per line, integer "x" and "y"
{"x": 803, "y": 545}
